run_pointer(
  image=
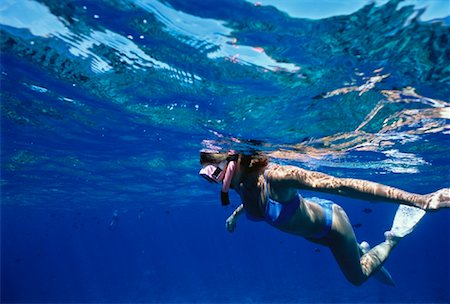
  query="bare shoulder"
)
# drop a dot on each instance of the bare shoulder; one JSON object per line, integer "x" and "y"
{"x": 279, "y": 173}
{"x": 293, "y": 176}
{"x": 283, "y": 171}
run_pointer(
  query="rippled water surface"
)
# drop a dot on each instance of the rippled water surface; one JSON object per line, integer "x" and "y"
{"x": 105, "y": 105}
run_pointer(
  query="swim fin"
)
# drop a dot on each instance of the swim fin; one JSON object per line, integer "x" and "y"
{"x": 382, "y": 274}
{"x": 405, "y": 220}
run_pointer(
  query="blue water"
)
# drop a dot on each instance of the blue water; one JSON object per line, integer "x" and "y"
{"x": 106, "y": 104}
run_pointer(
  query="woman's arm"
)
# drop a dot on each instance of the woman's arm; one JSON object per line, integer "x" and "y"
{"x": 232, "y": 219}
{"x": 357, "y": 188}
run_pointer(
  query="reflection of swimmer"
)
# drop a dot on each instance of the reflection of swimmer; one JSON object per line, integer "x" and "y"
{"x": 269, "y": 193}
{"x": 114, "y": 220}
{"x": 364, "y": 88}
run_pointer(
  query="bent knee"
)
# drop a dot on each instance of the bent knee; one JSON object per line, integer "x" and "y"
{"x": 357, "y": 281}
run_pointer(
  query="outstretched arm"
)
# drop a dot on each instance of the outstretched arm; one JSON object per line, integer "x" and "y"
{"x": 357, "y": 188}
{"x": 232, "y": 219}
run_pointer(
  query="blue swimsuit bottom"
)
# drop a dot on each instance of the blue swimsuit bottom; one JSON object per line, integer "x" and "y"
{"x": 278, "y": 214}
{"x": 327, "y": 207}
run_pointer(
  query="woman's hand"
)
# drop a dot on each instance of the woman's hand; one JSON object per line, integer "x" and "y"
{"x": 231, "y": 223}
{"x": 232, "y": 219}
{"x": 438, "y": 199}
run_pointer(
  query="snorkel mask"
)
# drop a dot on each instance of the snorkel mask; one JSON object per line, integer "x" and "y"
{"x": 213, "y": 173}
{"x": 223, "y": 172}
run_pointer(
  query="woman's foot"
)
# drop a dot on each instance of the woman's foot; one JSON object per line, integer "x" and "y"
{"x": 392, "y": 238}
{"x": 439, "y": 199}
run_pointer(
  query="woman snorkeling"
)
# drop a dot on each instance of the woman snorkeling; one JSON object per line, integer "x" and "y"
{"x": 270, "y": 193}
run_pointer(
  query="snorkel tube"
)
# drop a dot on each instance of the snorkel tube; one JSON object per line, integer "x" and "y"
{"x": 229, "y": 172}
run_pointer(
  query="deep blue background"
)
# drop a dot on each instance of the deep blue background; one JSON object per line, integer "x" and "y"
{"x": 185, "y": 255}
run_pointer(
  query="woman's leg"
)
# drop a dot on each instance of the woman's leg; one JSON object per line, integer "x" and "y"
{"x": 344, "y": 246}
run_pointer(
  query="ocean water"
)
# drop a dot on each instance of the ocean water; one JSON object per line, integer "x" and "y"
{"x": 105, "y": 106}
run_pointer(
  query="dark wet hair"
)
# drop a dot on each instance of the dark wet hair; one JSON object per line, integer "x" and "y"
{"x": 212, "y": 157}
{"x": 249, "y": 162}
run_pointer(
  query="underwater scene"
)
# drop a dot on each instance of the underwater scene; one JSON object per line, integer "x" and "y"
{"x": 106, "y": 104}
